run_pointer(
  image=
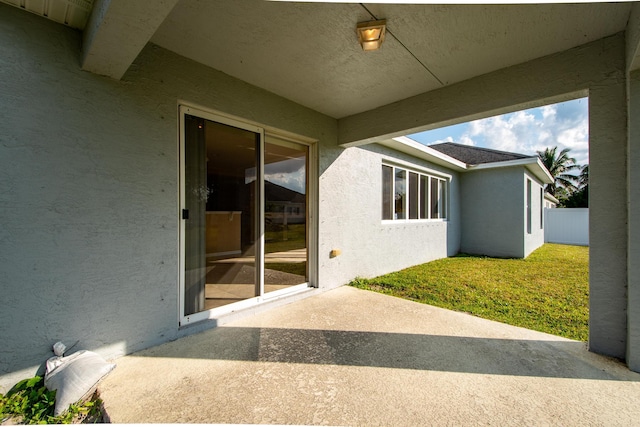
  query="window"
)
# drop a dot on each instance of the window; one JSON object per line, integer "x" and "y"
{"x": 435, "y": 198}
{"x": 528, "y": 206}
{"x": 424, "y": 197}
{"x": 387, "y": 192}
{"x": 412, "y": 195}
{"x": 400, "y": 193}
{"x": 541, "y": 208}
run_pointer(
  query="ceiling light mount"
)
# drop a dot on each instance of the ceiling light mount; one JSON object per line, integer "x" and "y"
{"x": 371, "y": 34}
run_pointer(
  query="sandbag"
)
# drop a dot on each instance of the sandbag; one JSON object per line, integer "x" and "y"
{"x": 74, "y": 377}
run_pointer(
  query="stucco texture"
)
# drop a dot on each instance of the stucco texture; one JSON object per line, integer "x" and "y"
{"x": 633, "y": 292}
{"x": 89, "y": 196}
{"x": 89, "y": 166}
{"x": 351, "y": 212}
{"x": 493, "y": 212}
{"x": 89, "y": 199}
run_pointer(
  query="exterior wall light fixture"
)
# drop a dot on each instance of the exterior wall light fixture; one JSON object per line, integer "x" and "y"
{"x": 371, "y": 34}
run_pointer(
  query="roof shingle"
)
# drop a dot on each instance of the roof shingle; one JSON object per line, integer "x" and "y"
{"x": 475, "y": 155}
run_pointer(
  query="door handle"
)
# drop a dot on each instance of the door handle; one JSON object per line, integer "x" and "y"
{"x": 185, "y": 213}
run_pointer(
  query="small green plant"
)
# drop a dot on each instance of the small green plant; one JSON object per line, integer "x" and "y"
{"x": 361, "y": 283}
{"x": 29, "y": 402}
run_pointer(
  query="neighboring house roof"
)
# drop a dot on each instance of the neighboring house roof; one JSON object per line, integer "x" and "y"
{"x": 466, "y": 158}
{"x": 475, "y": 155}
{"x": 549, "y": 197}
{"x": 277, "y": 193}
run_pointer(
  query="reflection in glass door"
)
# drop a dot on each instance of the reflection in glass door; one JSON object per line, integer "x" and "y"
{"x": 244, "y": 231}
{"x": 220, "y": 213}
{"x": 285, "y": 214}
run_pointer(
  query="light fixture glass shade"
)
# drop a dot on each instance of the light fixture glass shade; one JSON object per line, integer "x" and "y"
{"x": 372, "y": 45}
{"x": 371, "y": 34}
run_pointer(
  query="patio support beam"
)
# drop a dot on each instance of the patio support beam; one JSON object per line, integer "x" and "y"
{"x": 117, "y": 31}
{"x": 608, "y": 232}
{"x": 554, "y": 78}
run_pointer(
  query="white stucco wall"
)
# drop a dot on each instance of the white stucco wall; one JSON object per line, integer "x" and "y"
{"x": 351, "y": 219}
{"x": 535, "y": 239}
{"x": 89, "y": 171}
{"x": 493, "y": 206}
{"x": 608, "y": 230}
{"x": 89, "y": 190}
{"x": 493, "y": 212}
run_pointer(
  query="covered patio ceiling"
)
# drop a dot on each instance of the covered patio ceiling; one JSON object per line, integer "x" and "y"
{"x": 308, "y": 52}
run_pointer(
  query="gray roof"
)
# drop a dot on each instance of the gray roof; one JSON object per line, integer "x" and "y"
{"x": 475, "y": 155}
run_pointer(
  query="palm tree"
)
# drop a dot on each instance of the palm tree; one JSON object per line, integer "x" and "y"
{"x": 583, "y": 179}
{"x": 579, "y": 198}
{"x": 559, "y": 166}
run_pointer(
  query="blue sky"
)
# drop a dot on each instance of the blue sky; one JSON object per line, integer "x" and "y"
{"x": 565, "y": 125}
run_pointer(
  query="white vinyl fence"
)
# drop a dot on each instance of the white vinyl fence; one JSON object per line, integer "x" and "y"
{"x": 569, "y": 226}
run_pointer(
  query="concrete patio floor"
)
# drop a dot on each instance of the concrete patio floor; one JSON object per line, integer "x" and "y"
{"x": 352, "y": 357}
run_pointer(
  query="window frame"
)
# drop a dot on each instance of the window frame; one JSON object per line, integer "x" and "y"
{"x": 268, "y": 134}
{"x": 529, "y": 210}
{"x": 541, "y": 208}
{"x": 423, "y": 211}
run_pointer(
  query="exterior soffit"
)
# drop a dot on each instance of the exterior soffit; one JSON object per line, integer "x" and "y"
{"x": 308, "y": 52}
{"x": 116, "y": 32}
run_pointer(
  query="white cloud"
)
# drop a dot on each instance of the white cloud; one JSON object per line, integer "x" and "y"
{"x": 548, "y": 111}
{"x": 465, "y": 140}
{"x": 575, "y": 137}
{"x": 288, "y": 173}
{"x": 440, "y": 141}
{"x": 294, "y": 180}
{"x": 564, "y": 125}
{"x": 501, "y": 132}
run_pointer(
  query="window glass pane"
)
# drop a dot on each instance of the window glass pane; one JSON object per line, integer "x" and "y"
{"x": 528, "y": 206}
{"x": 413, "y": 195}
{"x": 285, "y": 214}
{"x": 424, "y": 197}
{"x": 221, "y": 198}
{"x": 400, "y": 194}
{"x": 541, "y": 208}
{"x": 434, "y": 198}
{"x": 387, "y": 192}
{"x": 443, "y": 198}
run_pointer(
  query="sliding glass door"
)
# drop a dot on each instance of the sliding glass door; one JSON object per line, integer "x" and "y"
{"x": 244, "y": 211}
{"x": 285, "y": 214}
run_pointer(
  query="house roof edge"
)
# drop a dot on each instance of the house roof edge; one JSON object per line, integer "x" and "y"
{"x": 409, "y": 146}
{"x": 534, "y": 164}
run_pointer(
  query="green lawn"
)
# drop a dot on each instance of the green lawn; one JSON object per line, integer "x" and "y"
{"x": 280, "y": 238}
{"x": 547, "y": 292}
{"x": 299, "y": 268}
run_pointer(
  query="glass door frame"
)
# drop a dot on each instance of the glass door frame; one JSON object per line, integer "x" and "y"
{"x": 312, "y": 267}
